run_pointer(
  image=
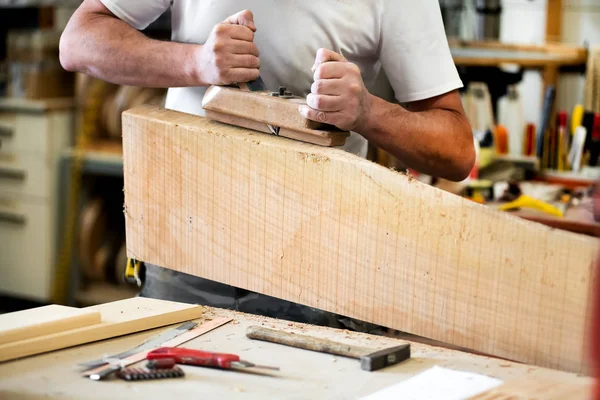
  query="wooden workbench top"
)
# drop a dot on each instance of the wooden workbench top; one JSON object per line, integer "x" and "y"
{"x": 303, "y": 374}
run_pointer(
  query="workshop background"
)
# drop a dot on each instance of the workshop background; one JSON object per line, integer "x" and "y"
{"x": 531, "y": 70}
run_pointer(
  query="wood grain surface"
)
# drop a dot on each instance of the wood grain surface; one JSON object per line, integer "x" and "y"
{"x": 118, "y": 318}
{"x": 45, "y": 320}
{"x": 306, "y": 342}
{"x": 325, "y": 228}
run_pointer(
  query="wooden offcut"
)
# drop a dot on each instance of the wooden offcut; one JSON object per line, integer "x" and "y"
{"x": 330, "y": 230}
{"x": 253, "y": 110}
{"x": 40, "y": 321}
{"x": 118, "y": 318}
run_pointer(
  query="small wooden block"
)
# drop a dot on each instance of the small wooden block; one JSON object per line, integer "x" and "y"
{"x": 254, "y": 110}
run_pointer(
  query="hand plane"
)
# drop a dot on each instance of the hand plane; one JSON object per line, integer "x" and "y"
{"x": 251, "y": 105}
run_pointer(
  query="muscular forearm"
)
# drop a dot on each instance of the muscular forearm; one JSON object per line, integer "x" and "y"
{"x": 97, "y": 43}
{"x": 434, "y": 141}
{"x": 432, "y": 136}
{"x": 108, "y": 48}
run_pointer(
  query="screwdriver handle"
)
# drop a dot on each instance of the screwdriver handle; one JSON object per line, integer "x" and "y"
{"x": 194, "y": 357}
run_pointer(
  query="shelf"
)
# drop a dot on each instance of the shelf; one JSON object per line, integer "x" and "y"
{"x": 490, "y": 54}
{"x": 35, "y": 106}
{"x": 103, "y": 292}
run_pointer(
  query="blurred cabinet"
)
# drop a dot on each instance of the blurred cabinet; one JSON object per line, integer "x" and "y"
{"x": 32, "y": 136}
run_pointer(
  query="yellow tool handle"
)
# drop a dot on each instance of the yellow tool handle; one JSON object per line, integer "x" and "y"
{"x": 529, "y": 202}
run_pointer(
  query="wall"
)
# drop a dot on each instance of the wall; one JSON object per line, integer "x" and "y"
{"x": 524, "y": 21}
{"x": 581, "y": 24}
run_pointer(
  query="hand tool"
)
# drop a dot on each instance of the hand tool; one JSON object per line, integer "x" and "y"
{"x": 370, "y": 360}
{"x": 576, "y": 153}
{"x": 588, "y": 123}
{"x": 104, "y": 371}
{"x": 530, "y": 145}
{"x": 595, "y": 147}
{"x": 251, "y": 105}
{"x": 576, "y": 118}
{"x": 525, "y": 201}
{"x": 203, "y": 358}
{"x": 501, "y": 139}
{"x": 141, "y": 374}
{"x": 548, "y": 105}
{"x": 258, "y": 85}
{"x": 132, "y": 272}
{"x": 563, "y": 141}
{"x": 149, "y": 344}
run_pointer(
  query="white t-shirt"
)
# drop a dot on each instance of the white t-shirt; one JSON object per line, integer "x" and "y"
{"x": 405, "y": 37}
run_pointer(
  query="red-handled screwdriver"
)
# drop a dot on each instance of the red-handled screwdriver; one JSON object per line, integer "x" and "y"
{"x": 203, "y": 358}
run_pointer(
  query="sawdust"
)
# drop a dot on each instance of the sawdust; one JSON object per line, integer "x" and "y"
{"x": 312, "y": 157}
{"x": 252, "y": 139}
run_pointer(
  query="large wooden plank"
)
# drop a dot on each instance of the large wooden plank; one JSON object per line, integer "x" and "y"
{"x": 41, "y": 321}
{"x": 118, "y": 318}
{"x": 325, "y": 228}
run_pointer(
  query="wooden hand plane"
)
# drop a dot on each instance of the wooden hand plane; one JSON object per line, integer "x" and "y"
{"x": 270, "y": 112}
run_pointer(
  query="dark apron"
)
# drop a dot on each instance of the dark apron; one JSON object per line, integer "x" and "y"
{"x": 166, "y": 284}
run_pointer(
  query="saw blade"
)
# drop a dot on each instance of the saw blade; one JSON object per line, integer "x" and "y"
{"x": 151, "y": 343}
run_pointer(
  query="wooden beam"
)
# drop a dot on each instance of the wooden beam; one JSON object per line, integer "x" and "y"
{"x": 491, "y": 53}
{"x": 554, "y": 21}
{"x": 325, "y": 228}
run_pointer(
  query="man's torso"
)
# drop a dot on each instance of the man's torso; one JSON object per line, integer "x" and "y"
{"x": 289, "y": 33}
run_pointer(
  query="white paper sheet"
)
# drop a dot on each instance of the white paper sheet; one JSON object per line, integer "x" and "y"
{"x": 438, "y": 383}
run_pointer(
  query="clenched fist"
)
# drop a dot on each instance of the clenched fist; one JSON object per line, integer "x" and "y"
{"x": 338, "y": 95}
{"x": 229, "y": 54}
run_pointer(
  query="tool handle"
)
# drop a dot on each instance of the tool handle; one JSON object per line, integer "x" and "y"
{"x": 194, "y": 357}
{"x": 305, "y": 342}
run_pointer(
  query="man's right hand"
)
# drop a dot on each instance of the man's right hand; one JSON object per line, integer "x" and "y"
{"x": 229, "y": 54}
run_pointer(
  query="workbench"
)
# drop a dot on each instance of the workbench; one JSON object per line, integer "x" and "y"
{"x": 304, "y": 374}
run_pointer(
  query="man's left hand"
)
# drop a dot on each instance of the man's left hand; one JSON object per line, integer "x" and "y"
{"x": 338, "y": 95}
